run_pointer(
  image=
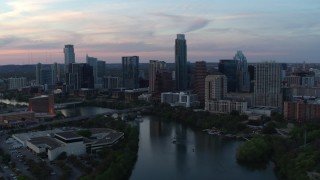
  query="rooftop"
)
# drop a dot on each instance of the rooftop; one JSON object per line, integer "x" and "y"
{"x": 68, "y": 135}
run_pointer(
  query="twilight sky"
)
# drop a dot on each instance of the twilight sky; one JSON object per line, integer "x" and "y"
{"x": 34, "y": 31}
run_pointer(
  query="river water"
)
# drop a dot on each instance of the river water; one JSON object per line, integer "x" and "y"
{"x": 195, "y": 155}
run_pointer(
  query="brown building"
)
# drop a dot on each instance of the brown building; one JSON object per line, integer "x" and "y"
{"x": 42, "y": 104}
{"x": 200, "y": 73}
{"x": 301, "y": 111}
{"x": 163, "y": 82}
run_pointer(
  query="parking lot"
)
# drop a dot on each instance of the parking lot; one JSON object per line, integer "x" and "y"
{"x": 19, "y": 156}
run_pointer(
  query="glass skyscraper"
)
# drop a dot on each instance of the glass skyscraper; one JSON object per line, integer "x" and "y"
{"x": 130, "y": 72}
{"x": 181, "y": 75}
{"x": 69, "y": 56}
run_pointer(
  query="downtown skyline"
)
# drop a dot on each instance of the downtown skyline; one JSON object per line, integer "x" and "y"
{"x": 36, "y": 31}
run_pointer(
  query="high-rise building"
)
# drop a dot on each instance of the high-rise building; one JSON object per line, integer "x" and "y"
{"x": 215, "y": 89}
{"x": 230, "y": 69}
{"x": 101, "y": 70}
{"x": 130, "y": 72}
{"x": 80, "y": 76}
{"x": 181, "y": 75}
{"x": 243, "y": 73}
{"x": 47, "y": 76}
{"x": 154, "y": 67}
{"x": 163, "y": 82}
{"x": 69, "y": 56}
{"x": 92, "y": 61}
{"x": 200, "y": 74}
{"x": 38, "y": 73}
{"x": 267, "y": 87}
{"x": 56, "y": 72}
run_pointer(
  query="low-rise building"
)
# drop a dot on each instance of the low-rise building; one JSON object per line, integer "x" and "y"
{"x": 42, "y": 104}
{"x": 302, "y": 111}
{"x": 179, "y": 99}
{"x": 55, "y": 142}
{"x": 226, "y": 106}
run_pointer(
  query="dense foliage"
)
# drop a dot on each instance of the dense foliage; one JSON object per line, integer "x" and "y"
{"x": 292, "y": 157}
{"x": 117, "y": 161}
{"x": 257, "y": 150}
{"x": 232, "y": 123}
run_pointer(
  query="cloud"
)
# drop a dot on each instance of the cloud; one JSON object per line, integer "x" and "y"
{"x": 185, "y": 23}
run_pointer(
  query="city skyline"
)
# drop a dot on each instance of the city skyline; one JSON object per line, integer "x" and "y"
{"x": 36, "y": 31}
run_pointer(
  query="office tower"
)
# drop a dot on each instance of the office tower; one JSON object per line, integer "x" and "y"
{"x": 200, "y": 73}
{"x": 181, "y": 75}
{"x": 154, "y": 67}
{"x": 92, "y": 61}
{"x": 243, "y": 73}
{"x": 251, "y": 69}
{"x": 163, "y": 82}
{"x": 69, "y": 56}
{"x": 80, "y": 76}
{"x": 47, "y": 76}
{"x": 267, "y": 87}
{"x": 56, "y": 72}
{"x": 101, "y": 70}
{"x": 130, "y": 72}
{"x": 215, "y": 87}
{"x": 38, "y": 73}
{"x": 230, "y": 69}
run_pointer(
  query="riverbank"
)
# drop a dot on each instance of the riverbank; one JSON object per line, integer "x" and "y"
{"x": 290, "y": 157}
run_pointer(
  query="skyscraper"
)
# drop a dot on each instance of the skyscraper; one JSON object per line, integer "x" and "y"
{"x": 92, "y": 61}
{"x": 154, "y": 67}
{"x": 267, "y": 86}
{"x": 47, "y": 76}
{"x": 243, "y": 73}
{"x": 38, "y": 73}
{"x": 130, "y": 72}
{"x": 181, "y": 76}
{"x": 200, "y": 74}
{"x": 80, "y": 75}
{"x": 229, "y": 68}
{"x": 56, "y": 72}
{"x": 69, "y": 56}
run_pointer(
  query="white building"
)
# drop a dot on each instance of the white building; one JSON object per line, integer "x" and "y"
{"x": 17, "y": 83}
{"x": 55, "y": 142}
{"x": 179, "y": 99}
{"x": 267, "y": 85}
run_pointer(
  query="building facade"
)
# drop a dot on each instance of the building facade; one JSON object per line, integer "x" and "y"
{"x": 179, "y": 99}
{"x": 17, "y": 83}
{"x": 229, "y": 68}
{"x": 130, "y": 72}
{"x": 226, "y": 106}
{"x": 215, "y": 87}
{"x": 154, "y": 67}
{"x": 42, "y": 104}
{"x": 200, "y": 73}
{"x": 301, "y": 111}
{"x": 181, "y": 76}
{"x": 242, "y": 71}
{"x": 69, "y": 56}
{"x": 267, "y": 88}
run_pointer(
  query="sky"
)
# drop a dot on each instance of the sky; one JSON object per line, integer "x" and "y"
{"x": 33, "y": 31}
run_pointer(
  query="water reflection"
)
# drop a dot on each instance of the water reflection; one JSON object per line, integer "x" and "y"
{"x": 84, "y": 111}
{"x": 195, "y": 155}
